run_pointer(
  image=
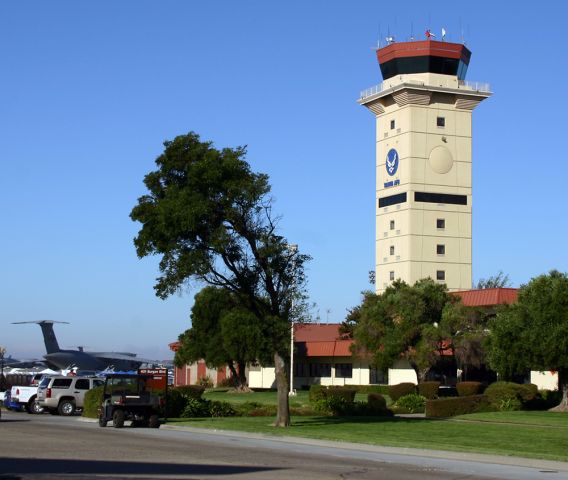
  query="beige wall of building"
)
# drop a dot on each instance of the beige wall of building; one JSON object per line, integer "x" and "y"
{"x": 426, "y": 120}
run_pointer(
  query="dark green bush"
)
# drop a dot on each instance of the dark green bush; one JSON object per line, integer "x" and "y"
{"x": 178, "y": 398}
{"x": 548, "y": 399}
{"x": 316, "y": 393}
{"x": 511, "y": 396}
{"x": 92, "y": 401}
{"x": 345, "y": 393}
{"x": 428, "y": 390}
{"x": 411, "y": 403}
{"x": 221, "y": 409}
{"x": 321, "y": 392}
{"x": 376, "y": 400}
{"x": 401, "y": 389}
{"x": 195, "y": 408}
{"x": 451, "y": 406}
{"x": 466, "y": 389}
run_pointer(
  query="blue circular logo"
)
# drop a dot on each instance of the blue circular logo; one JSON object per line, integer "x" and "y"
{"x": 392, "y": 162}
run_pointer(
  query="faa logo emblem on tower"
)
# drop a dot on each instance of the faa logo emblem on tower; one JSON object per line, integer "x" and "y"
{"x": 392, "y": 162}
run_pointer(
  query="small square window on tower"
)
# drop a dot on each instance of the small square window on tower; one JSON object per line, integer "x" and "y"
{"x": 440, "y": 249}
{"x": 391, "y": 224}
{"x": 392, "y": 249}
{"x": 440, "y": 121}
{"x": 391, "y": 276}
{"x": 440, "y": 275}
{"x": 440, "y": 223}
{"x": 392, "y": 124}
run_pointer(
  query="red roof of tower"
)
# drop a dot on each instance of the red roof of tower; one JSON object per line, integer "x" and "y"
{"x": 422, "y": 49}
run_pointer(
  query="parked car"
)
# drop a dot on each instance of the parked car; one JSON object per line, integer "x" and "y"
{"x": 64, "y": 395}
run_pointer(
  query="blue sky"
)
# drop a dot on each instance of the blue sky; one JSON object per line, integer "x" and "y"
{"x": 90, "y": 90}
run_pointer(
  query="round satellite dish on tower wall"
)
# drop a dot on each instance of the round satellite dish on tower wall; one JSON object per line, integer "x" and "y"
{"x": 440, "y": 159}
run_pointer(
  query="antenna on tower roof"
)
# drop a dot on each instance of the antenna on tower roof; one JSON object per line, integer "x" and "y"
{"x": 411, "y": 32}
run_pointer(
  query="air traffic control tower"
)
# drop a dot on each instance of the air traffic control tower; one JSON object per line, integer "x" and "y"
{"x": 423, "y": 159}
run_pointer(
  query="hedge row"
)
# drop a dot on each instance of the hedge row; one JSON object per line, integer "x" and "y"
{"x": 323, "y": 392}
{"x": 400, "y": 390}
{"x": 511, "y": 396}
{"x": 466, "y": 389}
{"x": 451, "y": 406}
{"x": 428, "y": 390}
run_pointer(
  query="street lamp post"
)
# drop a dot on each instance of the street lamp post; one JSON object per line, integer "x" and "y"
{"x": 293, "y": 248}
{"x": 2, "y": 379}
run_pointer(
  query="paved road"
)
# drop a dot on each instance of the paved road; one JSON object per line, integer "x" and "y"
{"x": 49, "y": 447}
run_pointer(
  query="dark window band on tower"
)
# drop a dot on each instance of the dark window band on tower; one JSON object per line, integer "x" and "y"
{"x": 392, "y": 200}
{"x": 428, "y": 197}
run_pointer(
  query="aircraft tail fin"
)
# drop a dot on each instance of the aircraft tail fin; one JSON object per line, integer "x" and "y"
{"x": 49, "y": 338}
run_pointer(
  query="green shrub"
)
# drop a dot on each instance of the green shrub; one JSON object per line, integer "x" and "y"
{"x": 401, "y": 389}
{"x": 92, "y": 401}
{"x": 548, "y": 399}
{"x": 466, "y": 389}
{"x": 321, "y": 392}
{"x": 221, "y": 409}
{"x": 511, "y": 396}
{"x": 451, "y": 406}
{"x": 411, "y": 403}
{"x": 429, "y": 390}
{"x": 178, "y": 398}
{"x": 195, "y": 408}
{"x": 345, "y": 393}
{"x": 376, "y": 400}
{"x": 316, "y": 393}
{"x": 334, "y": 406}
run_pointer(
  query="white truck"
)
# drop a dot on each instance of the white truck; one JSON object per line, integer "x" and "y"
{"x": 25, "y": 397}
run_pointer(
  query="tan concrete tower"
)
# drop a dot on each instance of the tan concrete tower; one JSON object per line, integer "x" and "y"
{"x": 423, "y": 128}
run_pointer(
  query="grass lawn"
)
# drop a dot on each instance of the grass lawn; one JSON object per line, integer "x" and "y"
{"x": 525, "y": 434}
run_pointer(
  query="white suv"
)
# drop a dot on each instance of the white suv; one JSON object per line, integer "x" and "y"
{"x": 63, "y": 395}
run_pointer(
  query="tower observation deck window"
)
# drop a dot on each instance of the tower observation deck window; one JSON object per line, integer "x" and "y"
{"x": 440, "y": 223}
{"x": 391, "y": 249}
{"x": 391, "y": 224}
{"x": 440, "y": 121}
{"x": 441, "y": 249}
{"x": 392, "y": 124}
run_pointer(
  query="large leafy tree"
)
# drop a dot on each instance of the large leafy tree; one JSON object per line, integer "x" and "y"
{"x": 501, "y": 280}
{"x": 210, "y": 218}
{"x": 465, "y": 330}
{"x": 533, "y": 333}
{"x": 222, "y": 333}
{"x": 401, "y": 323}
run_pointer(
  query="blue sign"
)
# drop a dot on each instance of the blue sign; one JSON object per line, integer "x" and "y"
{"x": 392, "y": 162}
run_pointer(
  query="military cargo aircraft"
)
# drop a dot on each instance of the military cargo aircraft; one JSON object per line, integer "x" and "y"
{"x": 58, "y": 358}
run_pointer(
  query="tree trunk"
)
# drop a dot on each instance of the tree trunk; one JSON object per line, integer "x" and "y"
{"x": 283, "y": 413}
{"x": 239, "y": 377}
{"x": 563, "y": 387}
